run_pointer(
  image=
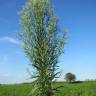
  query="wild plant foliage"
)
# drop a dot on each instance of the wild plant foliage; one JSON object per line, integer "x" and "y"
{"x": 43, "y": 43}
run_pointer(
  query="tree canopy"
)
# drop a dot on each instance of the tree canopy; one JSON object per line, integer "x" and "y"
{"x": 69, "y": 77}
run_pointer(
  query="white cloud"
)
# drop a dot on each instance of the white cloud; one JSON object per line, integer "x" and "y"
{"x": 10, "y": 40}
{"x": 4, "y": 76}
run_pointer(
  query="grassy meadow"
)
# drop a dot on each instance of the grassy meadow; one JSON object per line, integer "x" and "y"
{"x": 76, "y": 89}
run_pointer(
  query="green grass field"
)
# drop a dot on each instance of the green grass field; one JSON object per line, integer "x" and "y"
{"x": 76, "y": 89}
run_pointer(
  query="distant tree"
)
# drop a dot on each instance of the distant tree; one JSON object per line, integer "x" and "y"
{"x": 69, "y": 77}
{"x": 43, "y": 44}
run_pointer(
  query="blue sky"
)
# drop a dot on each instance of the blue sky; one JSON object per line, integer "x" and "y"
{"x": 78, "y": 17}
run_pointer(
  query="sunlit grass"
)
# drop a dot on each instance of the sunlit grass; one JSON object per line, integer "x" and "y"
{"x": 76, "y": 89}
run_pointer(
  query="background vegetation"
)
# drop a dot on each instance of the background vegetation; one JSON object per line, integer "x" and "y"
{"x": 75, "y": 89}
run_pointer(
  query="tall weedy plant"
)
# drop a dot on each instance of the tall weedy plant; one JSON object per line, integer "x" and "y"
{"x": 43, "y": 44}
